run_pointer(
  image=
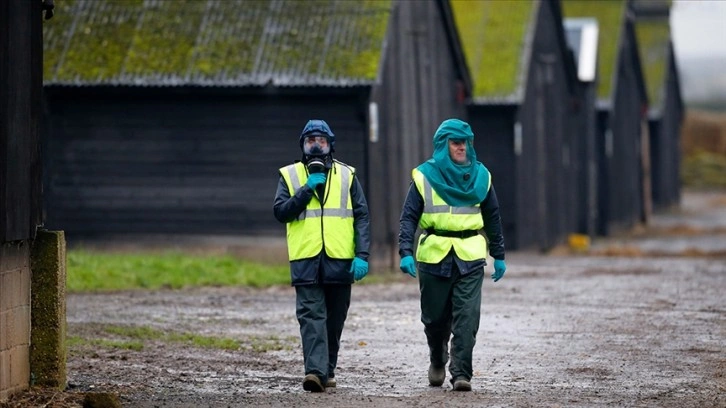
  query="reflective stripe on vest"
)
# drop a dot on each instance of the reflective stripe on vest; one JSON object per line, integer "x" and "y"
{"x": 331, "y": 226}
{"x": 438, "y": 215}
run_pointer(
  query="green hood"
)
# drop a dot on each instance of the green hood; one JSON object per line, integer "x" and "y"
{"x": 460, "y": 185}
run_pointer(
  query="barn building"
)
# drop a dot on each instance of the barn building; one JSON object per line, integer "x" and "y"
{"x": 169, "y": 120}
{"x": 523, "y": 104}
{"x": 622, "y": 134}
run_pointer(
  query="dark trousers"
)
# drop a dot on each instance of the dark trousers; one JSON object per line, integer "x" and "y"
{"x": 451, "y": 306}
{"x": 321, "y": 312}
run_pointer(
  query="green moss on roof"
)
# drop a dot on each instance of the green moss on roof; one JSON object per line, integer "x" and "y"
{"x": 363, "y": 61}
{"x": 164, "y": 41}
{"x": 609, "y": 15}
{"x": 221, "y": 49}
{"x": 653, "y": 43}
{"x": 55, "y": 35}
{"x": 208, "y": 41}
{"x": 493, "y": 35}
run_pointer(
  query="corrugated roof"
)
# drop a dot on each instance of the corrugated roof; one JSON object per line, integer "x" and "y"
{"x": 609, "y": 15}
{"x": 654, "y": 46}
{"x": 215, "y": 42}
{"x": 494, "y": 37}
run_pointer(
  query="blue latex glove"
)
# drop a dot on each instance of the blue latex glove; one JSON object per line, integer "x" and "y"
{"x": 315, "y": 180}
{"x": 359, "y": 268}
{"x": 499, "y": 268}
{"x": 408, "y": 265}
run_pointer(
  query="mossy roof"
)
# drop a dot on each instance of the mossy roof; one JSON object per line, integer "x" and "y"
{"x": 609, "y": 15}
{"x": 654, "y": 46}
{"x": 493, "y": 34}
{"x": 215, "y": 42}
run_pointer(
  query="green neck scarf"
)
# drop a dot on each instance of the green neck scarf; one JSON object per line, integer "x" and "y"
{"x": 460, "y": 185}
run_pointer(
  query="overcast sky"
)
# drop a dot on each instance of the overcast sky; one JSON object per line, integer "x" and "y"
{"x": 699, "y": 28}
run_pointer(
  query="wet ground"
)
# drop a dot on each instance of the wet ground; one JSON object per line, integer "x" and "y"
{"x": 558, "y": 330}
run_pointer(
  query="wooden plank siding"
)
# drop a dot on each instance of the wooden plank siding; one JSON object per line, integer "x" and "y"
{"x": 587, "y": 162}
{"x": 161, "y": 161}
{"x": 622, "y": 203}
{"x": 665, "y": 130}
{"x": 422, "y": 85}
{"x": 20, "y": 106}
{"x": 665, "y": 107}
{"x": 544, "y": 165}
{"x": 529, "y": 145}
{"x": 494, "y": 140}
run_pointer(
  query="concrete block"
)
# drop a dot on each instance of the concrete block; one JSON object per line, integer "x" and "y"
{"x": 15, "y": 317}
{"x": 23, "y": 254}
{"x": 9, "y": 329}
{"x": 4, "y": 340}
{"x": 19, "y": 367}
{"x": 4, "y": 370}
{"x": 10, "y": 296}
{"x": 21, "y": 331}
{"x": 16, "y": 285}
{"x": 7, "y": 296}
{"x": 24, "y": 283}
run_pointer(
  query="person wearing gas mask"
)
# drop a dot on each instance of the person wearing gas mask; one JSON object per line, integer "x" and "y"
{"x": 451, "y": 198}
{"x": 328, "y": 238}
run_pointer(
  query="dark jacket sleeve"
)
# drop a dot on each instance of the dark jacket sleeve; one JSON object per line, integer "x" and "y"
{"x": 410, "y": 215}
{"x": 493, "y": 224}
{"x": 361, "y": 222}
{"x": 287, "y": 208}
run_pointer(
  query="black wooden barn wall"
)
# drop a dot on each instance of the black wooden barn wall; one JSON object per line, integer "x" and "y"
{"x": 623, "y": 145}
{"x": 586, "y": 159}
{"x": 164, "y": 160}
{"x": 493, "y": 127}
{"x": 530, "y": 148}
{"x": 584, "y": 132}
{"x": 21, "y": 73}
{"x": 421, "y": 86}
{"x": 544, "y": 171}
{"x": 603, "y": 144}
{"x": 665, "y": 132}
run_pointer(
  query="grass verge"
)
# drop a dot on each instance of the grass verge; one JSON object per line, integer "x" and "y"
{"x": 135, "y": 338}
{"x": 107, "y": 271}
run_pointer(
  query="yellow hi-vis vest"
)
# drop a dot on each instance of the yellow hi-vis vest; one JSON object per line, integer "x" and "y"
{"x": 440, "y": 216}
{"x": 330, "y": 227}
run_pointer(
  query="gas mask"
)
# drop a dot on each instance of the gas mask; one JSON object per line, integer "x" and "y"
{"x": 317, "y": 158}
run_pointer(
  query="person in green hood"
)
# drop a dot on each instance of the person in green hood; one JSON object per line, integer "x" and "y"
{"x": 452, "y": 199}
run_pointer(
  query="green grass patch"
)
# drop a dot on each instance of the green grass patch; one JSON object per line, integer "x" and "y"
{"x": 269, "y": 343}
{"x": 136, "y": 332}
{"x": 134, "y": 338}
{"x": 145, "y": 333}
{"x": 224, "y": 343}
{"x": 105, "y": 271}
{"x": 80, "y": 342}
